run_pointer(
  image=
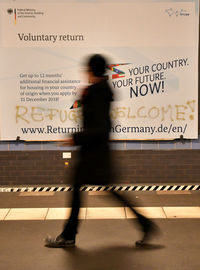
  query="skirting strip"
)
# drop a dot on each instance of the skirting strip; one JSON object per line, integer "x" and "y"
{"x": 103, "y": 188}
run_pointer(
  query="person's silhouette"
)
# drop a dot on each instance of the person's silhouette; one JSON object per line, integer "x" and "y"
{"x": 94, "y": 166}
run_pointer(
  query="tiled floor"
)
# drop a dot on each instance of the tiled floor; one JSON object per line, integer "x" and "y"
{"x": 98, "y": 213}
{"x": 107, "y": 233}
{"x": 103, "y": 244}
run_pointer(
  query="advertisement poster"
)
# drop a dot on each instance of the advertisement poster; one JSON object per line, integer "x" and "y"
{"x": 152, "y": 50}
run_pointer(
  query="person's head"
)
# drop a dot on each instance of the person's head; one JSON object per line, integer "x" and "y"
{"x": 96, "y": 65}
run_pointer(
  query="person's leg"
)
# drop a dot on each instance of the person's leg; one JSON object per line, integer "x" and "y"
{"x": 68, "y": 235}
{"x": 147, "y": 226}
{"x": 141, "y": 218}
{"x": 70, "y": 228}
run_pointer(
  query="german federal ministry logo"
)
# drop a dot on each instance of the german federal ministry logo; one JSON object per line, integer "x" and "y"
{"x": 12, "y": 11}
{"x": 24, "y": 13}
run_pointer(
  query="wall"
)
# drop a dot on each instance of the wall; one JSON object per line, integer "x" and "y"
{"x": 136, "y": 162}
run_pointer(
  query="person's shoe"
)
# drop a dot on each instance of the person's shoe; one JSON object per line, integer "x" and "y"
{"x": 150, "y": 229}
{"x": 59, "y": 242}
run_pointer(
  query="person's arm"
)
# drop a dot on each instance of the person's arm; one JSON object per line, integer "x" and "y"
{"x": 99, "y": 130}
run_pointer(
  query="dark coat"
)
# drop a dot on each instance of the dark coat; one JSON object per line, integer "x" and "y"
{"x": 94, "y": 158}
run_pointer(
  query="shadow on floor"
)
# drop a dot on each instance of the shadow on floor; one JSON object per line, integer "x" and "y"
{"x": 109, "y": 258}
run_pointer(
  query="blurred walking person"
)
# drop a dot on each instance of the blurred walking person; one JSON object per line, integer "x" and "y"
{"x": 94, "y": 164}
